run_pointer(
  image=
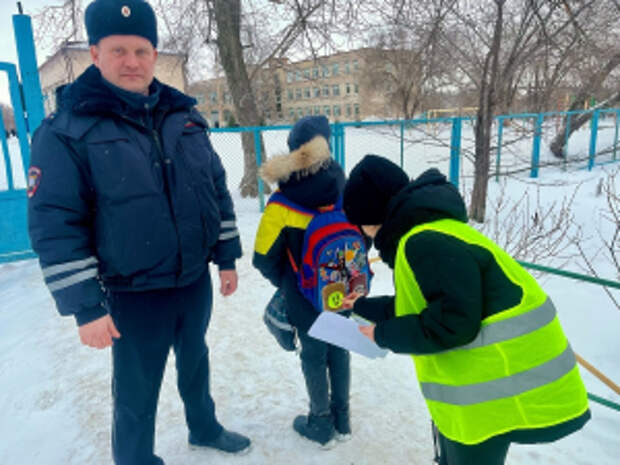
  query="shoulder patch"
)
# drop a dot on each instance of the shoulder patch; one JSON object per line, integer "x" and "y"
{"x": 34, "y": 179}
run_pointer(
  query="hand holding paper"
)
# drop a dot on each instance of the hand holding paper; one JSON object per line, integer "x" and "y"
{"x": 344, "y": 332}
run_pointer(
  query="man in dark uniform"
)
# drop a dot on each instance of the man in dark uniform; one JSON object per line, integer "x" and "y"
{"x": 127, "y": 206}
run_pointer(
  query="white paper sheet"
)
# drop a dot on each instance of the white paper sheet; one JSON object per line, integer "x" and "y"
{"x": 344, "y": 332}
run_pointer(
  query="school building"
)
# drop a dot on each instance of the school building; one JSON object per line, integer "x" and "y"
{"x": 333, "y": 85}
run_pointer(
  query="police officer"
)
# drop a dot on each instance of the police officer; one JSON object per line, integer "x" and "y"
{"x": 128, "y": 204}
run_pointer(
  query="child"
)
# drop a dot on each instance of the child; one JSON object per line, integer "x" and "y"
{"x": 492, "y": 360}
{"x": 308, "y": 178}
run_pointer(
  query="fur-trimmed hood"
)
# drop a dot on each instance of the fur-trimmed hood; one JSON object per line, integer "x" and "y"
{"x": 304, "y": 161}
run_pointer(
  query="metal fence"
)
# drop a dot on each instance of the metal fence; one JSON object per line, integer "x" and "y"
{"x": 520, "y": 145}
{"x": 28, "y": 113}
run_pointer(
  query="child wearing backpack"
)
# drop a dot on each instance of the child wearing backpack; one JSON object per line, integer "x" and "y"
{"x": 308, "y": 179}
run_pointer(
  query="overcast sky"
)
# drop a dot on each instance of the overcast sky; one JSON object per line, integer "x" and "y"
{"x": 8, "y": 53}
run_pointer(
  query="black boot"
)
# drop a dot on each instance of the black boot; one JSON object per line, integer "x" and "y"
{"x": 316, "y": 428}
{"x": 342, "y": 423}
{"x": 227, "y": 441}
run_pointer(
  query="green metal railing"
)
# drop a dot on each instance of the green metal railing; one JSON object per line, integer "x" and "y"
{"x": 590, "y": 279}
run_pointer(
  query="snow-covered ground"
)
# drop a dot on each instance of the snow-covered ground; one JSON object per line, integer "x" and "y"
{"x": 55, "y": 393}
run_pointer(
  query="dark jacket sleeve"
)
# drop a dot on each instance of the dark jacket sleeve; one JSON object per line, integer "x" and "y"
{"x": 375, "y": 309}
{"x": 60, "y": 226}
{"x": 228, "y": 247}
{"x": 450, "y": 280}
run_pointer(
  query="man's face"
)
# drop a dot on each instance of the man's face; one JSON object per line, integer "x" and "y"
{"x": 126, "y": 61}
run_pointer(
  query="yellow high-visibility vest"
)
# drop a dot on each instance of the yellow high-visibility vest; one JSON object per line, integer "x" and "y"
{"x": 518, "y": 373}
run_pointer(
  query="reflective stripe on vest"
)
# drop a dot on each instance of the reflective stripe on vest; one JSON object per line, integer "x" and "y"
{"x": 502, "y": 387}
{"x": 518, "y": 373}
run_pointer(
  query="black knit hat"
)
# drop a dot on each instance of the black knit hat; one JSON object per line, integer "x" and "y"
{"x": 124, "y": 17}
{"x": 371, "y": 185}
{"x": 306, "y": 129}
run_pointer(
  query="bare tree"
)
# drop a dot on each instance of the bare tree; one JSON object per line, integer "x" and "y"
{"x": 55, "y": 25}
{"x": 587, "y": 89}
{"x": 490, "y": 43}
{"x": 247, "y": 36}
{"x": 403, "y": 63}
{"x": 609, "y": 249}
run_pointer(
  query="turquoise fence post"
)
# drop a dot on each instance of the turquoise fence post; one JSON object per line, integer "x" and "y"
{"x": 593, "y": 134}
{"x": 8, "y": 167}
{"x": 616, "y": 134}
{"x": 402, "y": 144}
{"x": 536, "y": 146}
{"x": 258, "y": 151}
{"x": 29, "y": 72}
{"x": 569, "y": 118}
{"x": 18, "y": 113}
{"x": 500, "y": 132}
{"x": 455, "y": 151}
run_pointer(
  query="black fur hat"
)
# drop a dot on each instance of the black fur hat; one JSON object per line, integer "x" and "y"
{"x": 124, "y": 17}
{"x": 371, "y": 185}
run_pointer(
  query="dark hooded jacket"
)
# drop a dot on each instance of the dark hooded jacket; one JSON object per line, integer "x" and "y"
{"x": 127, "y": 192}
{"x": 310, "y": 178}
{"x": 461, "y": 282}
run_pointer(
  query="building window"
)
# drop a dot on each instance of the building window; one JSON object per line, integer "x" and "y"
{"x": 298, "y": 75}
{"x": 307, "y": 73}
{"x": 357, "y": 109}
{"x": 325, "y": 71}
{"x": 357, "y": 89}
{"x": 291, "y": 113}
{"x": 349, "y": 110}
{"x": 289, "y": 76}
{"x": 336, "y": 110}
{"x": 213, "y": 97}
{"x": 335, "y": 69}
{"x": 315, "y": 72}
{"x": 227, "y": 97}
{"x": 325, "y": 91}
{"x": 348, "y": 87}
{"x": 265, "y": 97}
{"x": 347, "y": 67}
{"x": 307, "y": 92}
{"x": 317, "y": 110}
{"x": 326, "y": 110}
{"x": 317, "y": 92}
{"x": 290, "y": 94}
{"x": 356, "y": 65}
{"x": 336, "y": 90}
{"x": 300, "y": 112}
{"x": 308, "y": 111}
{"x": 298, "y": 94}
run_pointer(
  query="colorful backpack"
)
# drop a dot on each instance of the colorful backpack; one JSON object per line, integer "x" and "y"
{"x": 334, "y": 260}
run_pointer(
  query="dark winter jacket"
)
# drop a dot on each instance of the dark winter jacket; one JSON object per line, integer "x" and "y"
{"x": 283, "y": 224}
{"x": 461, "y": 282}
{"x": 127, "y": 193}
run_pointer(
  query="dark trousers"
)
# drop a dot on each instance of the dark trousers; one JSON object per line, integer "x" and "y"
{"x": 150, "y": 323}
{"x": 493, "y": 451}
{"x": 327, "y": 371}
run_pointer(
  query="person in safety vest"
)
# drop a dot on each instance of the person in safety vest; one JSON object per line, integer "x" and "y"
{"x": 128, "y": 204}
{"x": 491, "y": 358}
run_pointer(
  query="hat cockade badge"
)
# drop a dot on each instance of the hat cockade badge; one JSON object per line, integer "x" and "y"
{"x": 126, "y": 11}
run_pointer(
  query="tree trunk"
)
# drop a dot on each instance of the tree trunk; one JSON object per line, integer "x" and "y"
{"x": 228, "y": 19}
{"x": 484, "y": 121}
{"x": 576, "y": 121}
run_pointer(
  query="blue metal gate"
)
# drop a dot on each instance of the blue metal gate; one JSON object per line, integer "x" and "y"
{"x": 28, "y": 112}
